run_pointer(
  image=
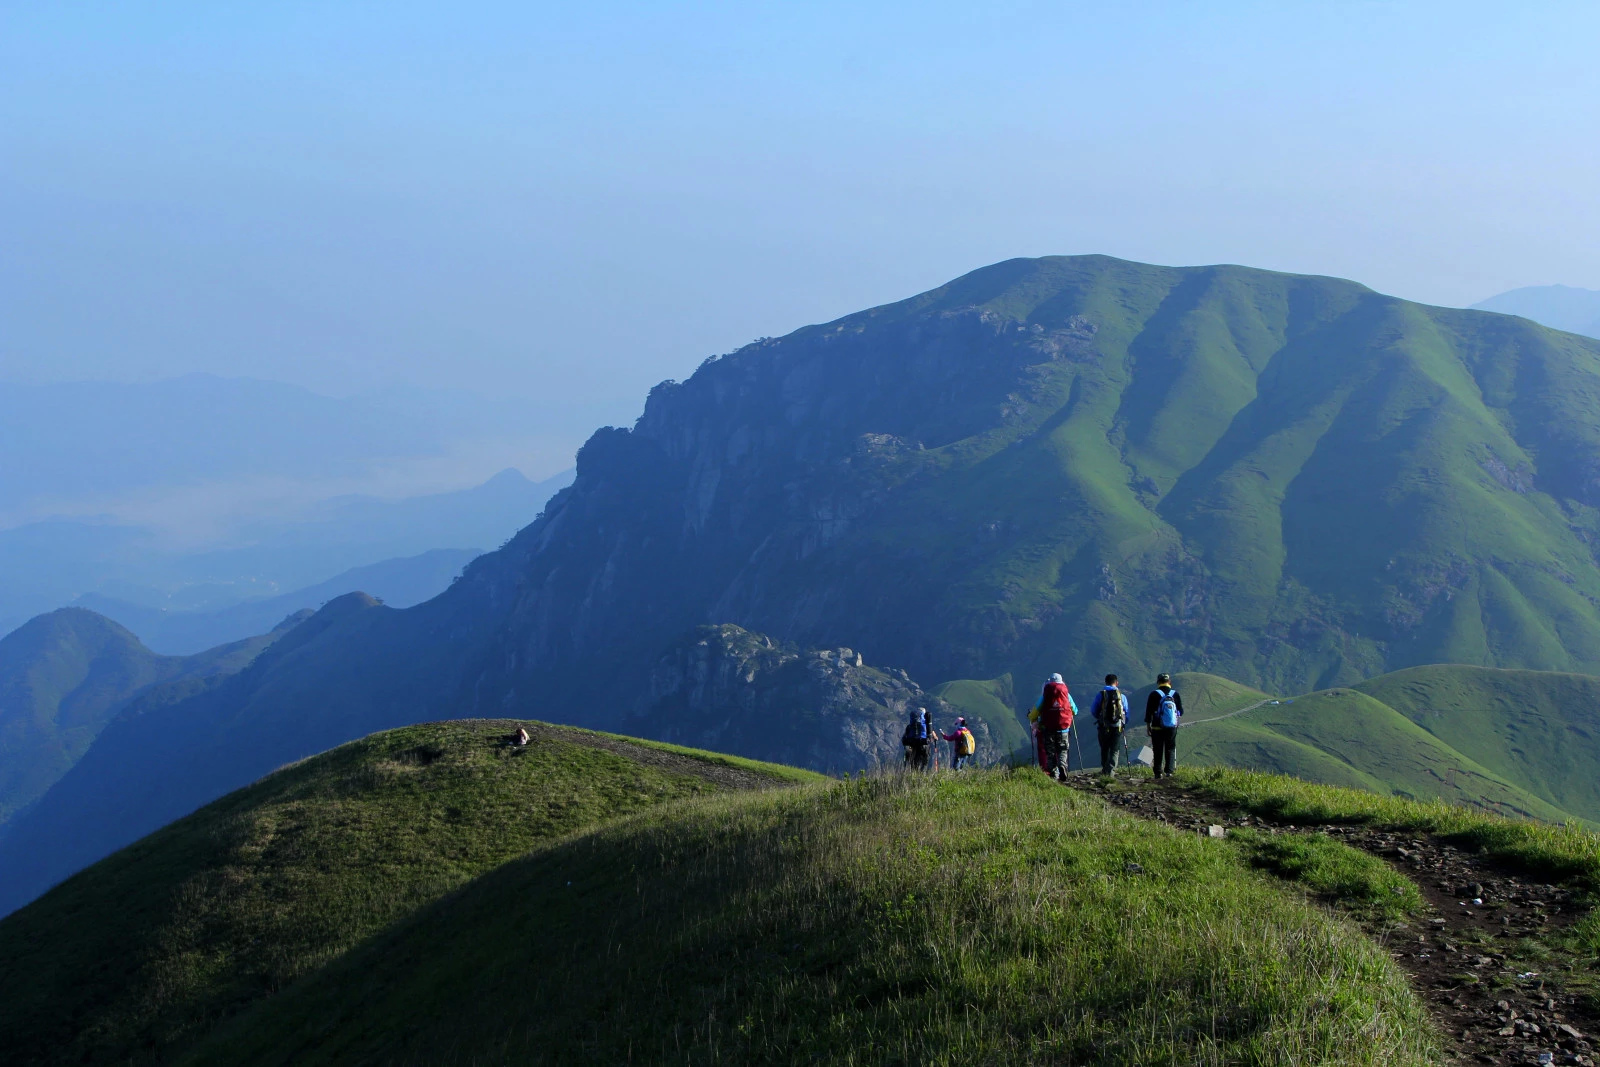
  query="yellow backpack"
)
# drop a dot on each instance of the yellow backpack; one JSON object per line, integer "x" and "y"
{"x": 965, "y": 743}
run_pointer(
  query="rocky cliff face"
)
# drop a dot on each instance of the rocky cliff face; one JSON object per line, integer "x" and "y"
{"x": 730, "y": 690}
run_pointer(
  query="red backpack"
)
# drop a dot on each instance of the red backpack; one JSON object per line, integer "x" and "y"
{"x": 1055, "y": 708}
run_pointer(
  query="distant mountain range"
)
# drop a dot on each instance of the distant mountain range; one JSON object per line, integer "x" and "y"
{"x": 397, "y": 582}
{"x": 86, "y": 448}
{"x": 1071, "y": 463}
{"x": 1561, "y": 307}
{"x": 46, "y": 565}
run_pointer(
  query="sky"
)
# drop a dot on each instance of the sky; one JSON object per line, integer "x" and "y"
{"x": 565, "y": 203}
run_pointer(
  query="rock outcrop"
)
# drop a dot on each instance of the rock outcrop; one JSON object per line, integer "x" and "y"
{"x": 731, "y": 690}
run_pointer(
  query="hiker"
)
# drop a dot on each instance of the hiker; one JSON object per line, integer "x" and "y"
{"x": 915, "y": 740}
{"x": 1161, "y": 714}
{"x": 933, "y": 740}
{"x": 1053, "y": 719}
{"x": 962, "y": 744}
{"x": 519, "y": 738}
{"x": 1110, "y": 713}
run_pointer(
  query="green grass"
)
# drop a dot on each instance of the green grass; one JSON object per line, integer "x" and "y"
{"x": 132, "y": 958}
{"x": 1561, "y": 852}
{"x": 986, "y": 918}
{"x": 777, "y": 771}
{"x": 1333, "y": 871}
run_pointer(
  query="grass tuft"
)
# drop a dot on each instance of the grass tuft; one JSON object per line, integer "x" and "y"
{"x": 1333, "y": 871}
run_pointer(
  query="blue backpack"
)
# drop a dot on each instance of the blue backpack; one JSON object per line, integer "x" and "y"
{"x": 1168, "y": 712}
{"x": 916, "y": 730}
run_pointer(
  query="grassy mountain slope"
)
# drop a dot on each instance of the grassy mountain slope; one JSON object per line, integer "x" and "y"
{"x": 992, "y": 919}
{"x": 63, "y": 677}
{"x": 1344, "y": 737}
{"x": 132, "y": 958}
{"x": 991, "y": 702}
{"x": 1517, "y": 742}
{"x": 1538, "y": 729}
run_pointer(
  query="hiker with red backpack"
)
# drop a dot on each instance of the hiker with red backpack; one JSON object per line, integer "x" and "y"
{"x": 962, "y": 744}
{"x": 1161, "y": 714}
{"x": 1052, "y": 718}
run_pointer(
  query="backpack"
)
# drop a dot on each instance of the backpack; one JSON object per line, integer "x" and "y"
{"x": 1113, "y": 713}
{"x": 1055, "y": 707}
{"x": 915, "y": 732}
{"x": 965, "y": 744}
{"x": 1167, "y": 714}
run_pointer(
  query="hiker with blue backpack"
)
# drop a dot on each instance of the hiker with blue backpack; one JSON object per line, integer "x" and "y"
{"x": 1110, "y": 711}
{"x": 1161, "y": 715}
{"x": 918, "y": 739}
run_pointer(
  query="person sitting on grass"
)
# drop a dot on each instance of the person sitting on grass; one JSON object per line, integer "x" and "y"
{"x": 519, "y": 738}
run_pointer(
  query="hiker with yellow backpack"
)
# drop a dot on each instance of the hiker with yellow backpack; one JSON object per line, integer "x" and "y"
{"x": 962, "y": 744}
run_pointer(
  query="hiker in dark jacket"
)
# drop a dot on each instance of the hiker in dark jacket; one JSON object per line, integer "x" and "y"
{"x": 916, "y": 739}
{"x": 1161, "y": 714}
{"x": 1110, "y": 713}
{"x": 1053, "y": 717}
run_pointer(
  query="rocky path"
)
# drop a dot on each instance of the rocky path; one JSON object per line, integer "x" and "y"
{"x": 1477, "y": 957}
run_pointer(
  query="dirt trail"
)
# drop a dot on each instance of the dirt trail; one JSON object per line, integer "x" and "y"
{"x": 1471, "y": 957}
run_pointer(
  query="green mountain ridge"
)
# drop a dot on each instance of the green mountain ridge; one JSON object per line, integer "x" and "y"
{"x": 64, "y": 676}
{"x": 1065, "y": 464}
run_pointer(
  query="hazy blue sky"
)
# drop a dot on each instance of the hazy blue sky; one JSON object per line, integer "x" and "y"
{"x": 572, "y": 201}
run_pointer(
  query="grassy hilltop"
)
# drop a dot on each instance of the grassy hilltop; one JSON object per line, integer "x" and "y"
{"x": 142, "y": 952}
{"x": 996, "y": 918}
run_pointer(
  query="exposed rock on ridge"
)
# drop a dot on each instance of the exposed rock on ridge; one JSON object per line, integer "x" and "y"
{"x": 731, "y": 690}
